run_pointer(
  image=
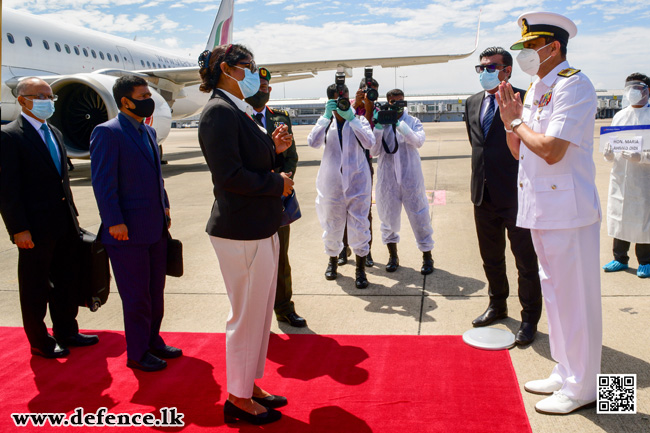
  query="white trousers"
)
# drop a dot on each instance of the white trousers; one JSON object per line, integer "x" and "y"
{"x": 390, "y": 199}
{"x": 570, "y": 276}
{"x": 249, "y": 269}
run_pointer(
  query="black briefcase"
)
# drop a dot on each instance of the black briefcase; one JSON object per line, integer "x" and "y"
{"x": 95, "y": 275}
{"x": 174, "y": 257}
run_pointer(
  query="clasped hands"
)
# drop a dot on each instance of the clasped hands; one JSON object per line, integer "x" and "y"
{"x": 510, "y": 104}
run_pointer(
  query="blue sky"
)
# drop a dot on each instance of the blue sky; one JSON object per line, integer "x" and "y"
{"x": 612, "y": 38}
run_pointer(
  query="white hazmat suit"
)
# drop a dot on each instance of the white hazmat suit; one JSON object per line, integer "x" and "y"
{"x": 400, "y": 181}
{"x": 628, "y": 204}
{"x": 343, "y": 183}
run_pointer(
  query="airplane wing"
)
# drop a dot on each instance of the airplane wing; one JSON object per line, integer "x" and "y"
{"x": 283, "y": 72}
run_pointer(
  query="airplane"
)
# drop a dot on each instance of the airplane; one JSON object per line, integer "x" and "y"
{"x": 81, "y": 66}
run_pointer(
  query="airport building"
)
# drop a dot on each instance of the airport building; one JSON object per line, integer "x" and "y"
{"x": 427, "y": 108}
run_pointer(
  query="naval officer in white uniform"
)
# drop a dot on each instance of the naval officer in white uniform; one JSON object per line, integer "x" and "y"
{"x": 551, "y": 133}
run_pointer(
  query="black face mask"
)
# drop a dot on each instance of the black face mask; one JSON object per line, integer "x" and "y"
{"x": 143, "y": 108}
{"x": 259, "y": 99}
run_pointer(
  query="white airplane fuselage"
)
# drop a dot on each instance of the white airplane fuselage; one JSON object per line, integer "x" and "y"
{"x": 32, "y": 46}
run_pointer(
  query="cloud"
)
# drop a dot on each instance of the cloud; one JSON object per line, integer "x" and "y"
{"x": 296, "y": 18}
{"x": 208, "y": 8}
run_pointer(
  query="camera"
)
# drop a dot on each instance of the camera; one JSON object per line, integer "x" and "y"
{"x": 388, "y": 114}
{"x": 371, "y": 94}
{"x": 342, "y": 103}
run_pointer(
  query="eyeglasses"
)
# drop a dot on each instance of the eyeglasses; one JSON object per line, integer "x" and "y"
{"x": 248, "y": 65}
{"x": 491, "y": 67}
{"x": 53, "y": 98}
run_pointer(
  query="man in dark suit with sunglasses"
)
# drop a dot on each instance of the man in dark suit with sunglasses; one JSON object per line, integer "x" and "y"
{"x": 494, "y": 194}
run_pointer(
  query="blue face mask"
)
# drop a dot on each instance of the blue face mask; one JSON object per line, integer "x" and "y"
{"x": 42, "y": 108}
{"x": 489, "y": 80}
{"x": 250, "y": 84}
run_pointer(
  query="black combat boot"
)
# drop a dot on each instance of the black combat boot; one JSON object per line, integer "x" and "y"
{"x": 343, "y": 255}
{"x": 369, "y": 261}
{"x": 330, "y": 272}
{"x": 393, "y": 260}
{"x": 360, "y": 273}
{"x": 427, "y": 263}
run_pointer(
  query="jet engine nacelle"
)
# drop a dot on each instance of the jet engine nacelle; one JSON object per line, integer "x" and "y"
{"x": 86, "y": 100}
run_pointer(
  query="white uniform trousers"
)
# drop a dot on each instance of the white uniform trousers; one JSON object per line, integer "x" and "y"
{"x": 249, "y": 270}
{"x": 570, "y": 276}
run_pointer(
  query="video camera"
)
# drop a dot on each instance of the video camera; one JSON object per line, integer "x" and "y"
{"x": 371, "y": 94}
{"x": 342, "y": 103}
{"x": 388, "y": 114}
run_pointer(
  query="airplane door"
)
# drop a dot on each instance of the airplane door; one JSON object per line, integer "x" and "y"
{"x": 126, "y": 58}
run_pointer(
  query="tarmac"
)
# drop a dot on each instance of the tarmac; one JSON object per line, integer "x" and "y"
{"x": 404, "y": 302}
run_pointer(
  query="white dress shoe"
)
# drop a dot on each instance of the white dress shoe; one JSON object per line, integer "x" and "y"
{"x": 560, "y": 404}
{"x": 543, "y": 386}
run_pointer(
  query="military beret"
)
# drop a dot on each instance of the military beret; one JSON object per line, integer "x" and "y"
{"x": 265, "y": 74}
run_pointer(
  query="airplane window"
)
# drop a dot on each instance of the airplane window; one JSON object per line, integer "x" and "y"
{"x": 101, "y": 55}
{"x": 85, "y": 52}
{"x": 28, "y": 41}
{"x": 57, "y": 46}
{"x": 93, "y": 53}
{"x": 117, "y": 58}
{"x": 76, "y": 50}
{"x": 46, "y": 44}
{"x": 67, "y": 48}
{"x": 142, "y": 61}
{"x": 10, "y": 37}
{"x": 159, "y": 65}
{"x": 108, "y": 56}
{"x": 148, "y": 64}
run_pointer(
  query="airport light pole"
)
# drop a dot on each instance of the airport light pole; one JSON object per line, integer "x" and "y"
{"x": 403, "y": 88}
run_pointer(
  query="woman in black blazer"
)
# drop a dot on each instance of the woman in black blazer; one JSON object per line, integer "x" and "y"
{"x": 244, "y": 222}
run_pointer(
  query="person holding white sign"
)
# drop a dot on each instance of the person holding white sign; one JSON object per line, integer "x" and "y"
{"x": 628, "y": 203}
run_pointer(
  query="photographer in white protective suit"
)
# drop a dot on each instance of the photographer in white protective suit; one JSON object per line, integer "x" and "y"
{"x": 628, "y": 204}
{"x": 400, "y": 181}
{"x": 343, "y": 182}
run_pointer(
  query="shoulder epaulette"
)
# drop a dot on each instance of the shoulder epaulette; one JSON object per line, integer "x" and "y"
{"x": 280, "y": 112}
{"x": 568, "y": 72}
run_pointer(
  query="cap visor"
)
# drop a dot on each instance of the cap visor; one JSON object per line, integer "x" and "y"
{"x": 519, "y": 45}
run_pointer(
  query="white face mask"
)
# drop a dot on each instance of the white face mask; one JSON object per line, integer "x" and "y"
{"x": 528, "y": 60}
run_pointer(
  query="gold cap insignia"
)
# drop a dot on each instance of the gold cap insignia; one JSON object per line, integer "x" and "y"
{"x": 524, "y": 27}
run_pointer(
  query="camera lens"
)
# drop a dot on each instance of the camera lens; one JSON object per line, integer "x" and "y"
{"x": 343, "y": 104}
{"x": 372, "y": 94}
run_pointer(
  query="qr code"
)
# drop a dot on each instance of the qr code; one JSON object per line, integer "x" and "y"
{"x": 616, "y": 393}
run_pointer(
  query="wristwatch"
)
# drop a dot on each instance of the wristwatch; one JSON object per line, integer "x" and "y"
{"x": 515, "y": 123}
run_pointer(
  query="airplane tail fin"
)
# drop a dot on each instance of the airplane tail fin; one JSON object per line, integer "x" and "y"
{"x": 222, "y": 29}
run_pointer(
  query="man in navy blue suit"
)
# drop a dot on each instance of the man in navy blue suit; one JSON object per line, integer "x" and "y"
{"x": 134, "y": 209}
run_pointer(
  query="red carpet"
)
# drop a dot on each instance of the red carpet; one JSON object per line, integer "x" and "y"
{"x": 335, "y": 384}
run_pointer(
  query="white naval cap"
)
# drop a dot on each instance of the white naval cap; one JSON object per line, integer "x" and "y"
{"x": 537, "y": 24}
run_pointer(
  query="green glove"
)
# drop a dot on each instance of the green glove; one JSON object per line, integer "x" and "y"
{"x": 379, "y": 126}
{"x": 347, "y": 115}
{"x": 330, "y": 106}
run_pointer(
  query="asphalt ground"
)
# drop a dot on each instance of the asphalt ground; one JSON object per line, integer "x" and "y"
{"x": 403, "y": 302}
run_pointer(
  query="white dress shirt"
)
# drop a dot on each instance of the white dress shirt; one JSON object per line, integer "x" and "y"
{"x": 37, "y": 125}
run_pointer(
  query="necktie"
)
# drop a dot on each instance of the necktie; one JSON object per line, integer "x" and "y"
{"x": 51, "y": 146}
{"x": 489, "y": 116}
{"x": 145, "y": 141}
{"x": 258, "y": 118}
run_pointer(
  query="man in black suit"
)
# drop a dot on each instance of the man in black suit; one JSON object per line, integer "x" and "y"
{"x": 286, "y": 162}
{"x": 494, "y": 194}
{"x": 39, "y": 213}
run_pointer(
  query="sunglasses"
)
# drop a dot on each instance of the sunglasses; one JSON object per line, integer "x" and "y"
{"x": 251, "y": 66}
{"x": 491, "y": 67}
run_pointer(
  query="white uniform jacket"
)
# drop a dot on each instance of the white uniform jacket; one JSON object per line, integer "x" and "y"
{"x": 628, "y": 203}
{"x": 562, "y": 195}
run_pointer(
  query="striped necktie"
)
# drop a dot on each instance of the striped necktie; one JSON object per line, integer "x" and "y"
{"x": 489, "y": 116}
{"x": 51, "y": 146}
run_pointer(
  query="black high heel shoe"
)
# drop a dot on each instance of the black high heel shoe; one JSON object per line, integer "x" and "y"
{"x": 232, "y": 413}
{"x": 272, "y": 401}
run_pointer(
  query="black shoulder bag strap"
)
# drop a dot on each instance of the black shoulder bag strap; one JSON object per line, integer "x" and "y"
{"x": 383, "y": 142}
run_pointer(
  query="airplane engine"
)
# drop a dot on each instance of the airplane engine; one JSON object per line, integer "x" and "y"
{"x": 85, "y": 101}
